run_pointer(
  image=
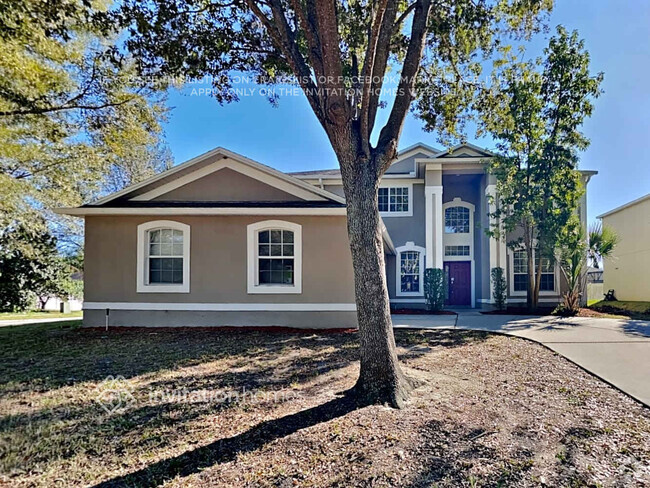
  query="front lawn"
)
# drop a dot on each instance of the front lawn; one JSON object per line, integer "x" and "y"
{"x": 634, "y": 310}
{"x": 241, "y": 408}
{"x": 38, "y": 315}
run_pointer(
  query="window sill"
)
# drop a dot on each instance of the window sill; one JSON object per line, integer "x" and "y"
{"x": 163, "y": 288}
{"x": 396, "y": 214}
{"x": 274, "y": 290}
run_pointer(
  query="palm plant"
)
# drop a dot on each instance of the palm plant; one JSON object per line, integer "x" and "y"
{"x": 572, "y": 264}
{"x": 602, "y": 241}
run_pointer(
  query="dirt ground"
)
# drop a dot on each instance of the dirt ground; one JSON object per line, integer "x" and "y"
{"x": 238, "y": 408}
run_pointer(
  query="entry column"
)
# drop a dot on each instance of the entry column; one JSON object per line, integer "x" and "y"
{"x": 433, "y": 215}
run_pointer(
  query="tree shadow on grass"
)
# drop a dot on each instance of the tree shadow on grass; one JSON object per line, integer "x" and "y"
{"x": 226, "y": 450}
{"x": 51, "y": 356}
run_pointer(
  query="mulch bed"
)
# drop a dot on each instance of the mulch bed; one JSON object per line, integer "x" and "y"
{"x": 491, "y": 411}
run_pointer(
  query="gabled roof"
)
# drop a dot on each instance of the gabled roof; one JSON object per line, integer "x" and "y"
{"x": 457, "y": 149}
{"x": 256, "y": 167}
{"x": 623, "y": 207}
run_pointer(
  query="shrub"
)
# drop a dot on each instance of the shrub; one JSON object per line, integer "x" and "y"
{"x": 435, "y": 288}
{"x": 499, "y": 290}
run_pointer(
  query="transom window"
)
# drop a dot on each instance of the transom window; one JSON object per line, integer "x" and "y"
{"x": 520, "y": 272}
{"x": 457, "y": 251}
{"x": 394, "y": 199}
{"x": 457, "y": 220}
{"x": 410, "y": 271}
{"x": 276, "y": 257}
{"x": 166, "y": 256}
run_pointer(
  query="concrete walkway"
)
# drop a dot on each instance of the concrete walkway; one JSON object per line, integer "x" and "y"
{"x": 616, "y": 350}
{"x": 7, "y": 323}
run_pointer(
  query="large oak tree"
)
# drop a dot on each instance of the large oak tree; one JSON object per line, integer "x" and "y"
{"x": 339, "y": 52}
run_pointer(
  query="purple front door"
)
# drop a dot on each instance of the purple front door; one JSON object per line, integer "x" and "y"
{"x": 459, "y": 282}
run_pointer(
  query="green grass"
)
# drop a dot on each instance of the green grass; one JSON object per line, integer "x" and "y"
{"x": 38, "y": 315}
{"x": 635, "y": 310}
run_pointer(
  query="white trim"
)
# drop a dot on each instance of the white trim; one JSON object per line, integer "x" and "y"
{"x": 409, "y": 246}
{"x": 433, "y": 225}
{"x": 220, "y": 151}
{"x": 407, "y": 300}
{"x": 142, "y": 261}
{"x": 224, "y": 307}
{"x": 464, "y": 239}
{"x": 233, "y": 165}
{"x": 469, "y": 145}
{"x": 511, "y": 278}
{"x": 81, "y": 211}
{"x": 252, "y": 231}
{"x": 397, "y": 184}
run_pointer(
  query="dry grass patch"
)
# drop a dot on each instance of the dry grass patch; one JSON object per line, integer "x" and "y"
{"x": 206, "y": 407}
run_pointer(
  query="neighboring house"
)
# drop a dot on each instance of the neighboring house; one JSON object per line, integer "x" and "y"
{"x": 627, "y": 271}
{"x": 224, "y": 240}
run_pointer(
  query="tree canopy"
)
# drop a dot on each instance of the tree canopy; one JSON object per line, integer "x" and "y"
{"x": 75, "y": 118}
{"x": 534, "y": 111}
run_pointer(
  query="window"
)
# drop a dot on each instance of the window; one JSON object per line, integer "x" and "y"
{"x": 410, "y": 270}
{"x": 457, "y": 220}
{"x": 274, "y": 257}
{"x": 163, "y": 257}
{"x": 457, "y": 251}
{"x": 394, "y": 200}
{"x": 520, "y": 272}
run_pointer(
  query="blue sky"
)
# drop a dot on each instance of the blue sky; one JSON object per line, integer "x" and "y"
{"x": 290, "y": 139}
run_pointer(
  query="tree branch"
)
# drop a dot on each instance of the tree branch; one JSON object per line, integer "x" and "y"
{"x": 388, "y": 138}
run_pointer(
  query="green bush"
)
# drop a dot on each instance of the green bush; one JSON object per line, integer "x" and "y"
{"x": 435, "y": 288}
{"x": 499, "y": 290}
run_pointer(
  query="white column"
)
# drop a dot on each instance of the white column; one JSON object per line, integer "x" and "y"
{"x": 497, "y": 246}
{"x": 433, "y": 226}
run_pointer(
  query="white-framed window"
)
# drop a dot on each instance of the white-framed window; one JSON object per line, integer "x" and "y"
{"x": 409, "y": 267}
{"x": 163, "y": 257}
{"x": 519, "y": 273}
{"x": 457, "y": 250}
{"x": 395, "y": 200}
{"x": 274, "y": 259}
{"x": 457, "y": 220}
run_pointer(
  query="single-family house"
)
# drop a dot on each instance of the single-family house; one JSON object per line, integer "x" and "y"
{"x": 226, "y": 241}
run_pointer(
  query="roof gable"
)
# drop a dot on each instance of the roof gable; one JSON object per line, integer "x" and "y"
{"x": 215, "y": 161}
{"x": 465, "y": 150}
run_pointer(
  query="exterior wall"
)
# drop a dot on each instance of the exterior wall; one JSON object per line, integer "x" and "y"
{"x": 170, "y": 318}
{"x": 226, "y": 185}
{"x": 406, "y": 165}
{"x": 218, "y": 270}
{"x": 628, "y": 270}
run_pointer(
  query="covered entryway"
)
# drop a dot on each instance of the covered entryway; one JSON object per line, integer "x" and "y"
{"x": 459, "y": 283}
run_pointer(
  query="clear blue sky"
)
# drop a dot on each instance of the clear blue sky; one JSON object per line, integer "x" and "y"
{"x": 617, "y": 34}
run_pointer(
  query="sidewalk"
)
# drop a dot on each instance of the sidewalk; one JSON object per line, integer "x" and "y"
{"x": 615, "y": 350}
{"x": 7, "y": 323}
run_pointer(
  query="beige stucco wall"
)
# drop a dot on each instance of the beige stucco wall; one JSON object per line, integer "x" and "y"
{"x": 217, "y": 261}
{"x": 227, "y": 185}
{"x": 628, "y": 270}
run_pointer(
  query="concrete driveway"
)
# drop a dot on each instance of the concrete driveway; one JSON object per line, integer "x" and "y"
{"x": 616, "y": 350}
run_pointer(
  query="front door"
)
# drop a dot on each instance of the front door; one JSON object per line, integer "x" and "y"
{"x": 459, "y": 282}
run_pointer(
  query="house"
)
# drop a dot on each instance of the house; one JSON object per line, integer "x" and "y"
{"x": 627, "y": 271}
{"x": 224, "y": 240}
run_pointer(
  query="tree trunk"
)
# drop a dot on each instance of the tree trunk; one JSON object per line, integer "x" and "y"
{"x": 381, "y": 379}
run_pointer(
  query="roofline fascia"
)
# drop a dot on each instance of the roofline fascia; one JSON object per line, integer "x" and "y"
{"x": 623, "y": 207}
{"x": 86, "y": 211}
